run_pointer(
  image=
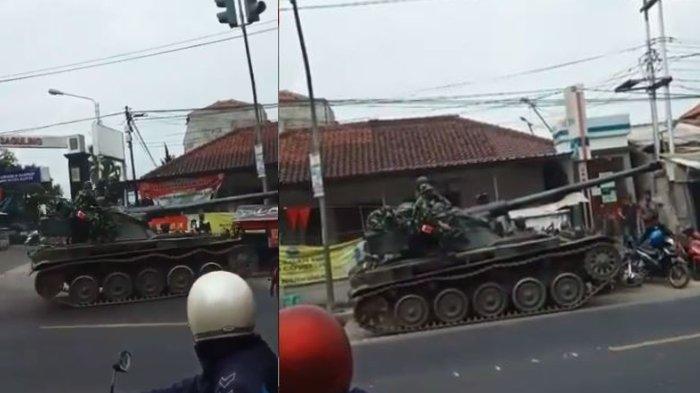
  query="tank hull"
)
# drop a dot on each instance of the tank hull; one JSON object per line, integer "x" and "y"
{"x": 517, "y": 278}
{"x": 133, "y": 271}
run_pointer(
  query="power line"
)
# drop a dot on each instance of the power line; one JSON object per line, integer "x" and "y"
{"x": 133, "y": 57}
{"x": 35, "y": 128}
{"x": 352, "y": 4}
{"x": 536, "y": 70}
{"x": 123, "y": 53}
{"x": 143, "y": 144}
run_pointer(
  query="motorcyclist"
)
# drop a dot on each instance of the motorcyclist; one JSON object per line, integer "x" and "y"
{"x": 315, "y": 354}
{"x": 221, "y": 316}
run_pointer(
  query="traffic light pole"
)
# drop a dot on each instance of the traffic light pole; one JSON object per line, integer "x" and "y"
{"x": 316, "y": 150}
{"x": 258, "y": 136}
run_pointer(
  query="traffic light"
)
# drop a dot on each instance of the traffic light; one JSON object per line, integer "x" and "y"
{"x": 229, "y": 16}
{"x": 253, "y": 9}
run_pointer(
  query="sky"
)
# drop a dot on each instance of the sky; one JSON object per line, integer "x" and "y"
{"x": 44, "y": 33}
{"x": 396, "y": 51}
{"x": 404, "y": 50}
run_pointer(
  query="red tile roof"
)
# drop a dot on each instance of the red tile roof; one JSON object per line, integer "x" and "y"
{"x": 692, "y": 116}
{"x": 384, "y": 146}
{"x": 290, "y": 96}
{"x": 231, "y": 151}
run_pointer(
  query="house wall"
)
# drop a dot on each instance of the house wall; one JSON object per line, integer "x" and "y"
{"x": 294, "y": 115}
{"x": 350, "y": 201}
{"x": 204, "y": 126}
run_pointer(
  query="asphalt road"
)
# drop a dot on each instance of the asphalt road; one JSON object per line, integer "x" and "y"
{"x": 634, "y": 347}
{"x": 47, "y": 347}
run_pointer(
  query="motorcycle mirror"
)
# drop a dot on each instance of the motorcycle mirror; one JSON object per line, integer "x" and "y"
{"x": 124, "y": 363}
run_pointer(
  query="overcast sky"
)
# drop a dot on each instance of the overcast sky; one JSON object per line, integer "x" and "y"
{"x": 44, "y": 33}
{"x": 401, "y": 49}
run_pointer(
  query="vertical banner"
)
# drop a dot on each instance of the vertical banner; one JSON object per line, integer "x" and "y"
{"x": 260, "y": 161}
{"x": 316, "y": 174}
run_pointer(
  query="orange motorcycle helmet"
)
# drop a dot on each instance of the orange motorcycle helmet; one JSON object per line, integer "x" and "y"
{"x": 315, "y": 354}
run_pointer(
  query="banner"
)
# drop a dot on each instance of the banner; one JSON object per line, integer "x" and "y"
{"x": 21, "y": 176}
{"x": 181, "y": 190}
{"x": 305, "y": 265}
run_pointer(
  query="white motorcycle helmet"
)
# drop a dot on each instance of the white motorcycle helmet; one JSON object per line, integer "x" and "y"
{"x": 220, "y": 304}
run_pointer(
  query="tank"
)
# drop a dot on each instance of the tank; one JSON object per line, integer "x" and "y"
{"x": 134, "y": 264}
{"x": 430, "y": 265}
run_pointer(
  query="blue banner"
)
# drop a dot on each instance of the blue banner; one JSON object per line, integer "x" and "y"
{"x": 21, "y": 176}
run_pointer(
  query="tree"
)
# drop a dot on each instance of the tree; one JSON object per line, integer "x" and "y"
{"x": 8, "y": 160}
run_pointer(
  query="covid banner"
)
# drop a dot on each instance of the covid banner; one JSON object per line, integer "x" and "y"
{"x": 305, "y": 264}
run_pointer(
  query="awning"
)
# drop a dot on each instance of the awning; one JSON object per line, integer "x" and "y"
{"x": 572, "y": 199}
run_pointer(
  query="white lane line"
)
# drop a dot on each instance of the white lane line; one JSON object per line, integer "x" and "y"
{"x": 652, "y": 343}
{"x": 115, "y": 325}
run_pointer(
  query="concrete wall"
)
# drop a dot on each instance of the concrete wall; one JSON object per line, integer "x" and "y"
{"x": 298, "y": 115}
{"x": 204, "y": 126}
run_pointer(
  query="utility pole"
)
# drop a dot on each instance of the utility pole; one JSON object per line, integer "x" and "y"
{"x": 532, "y": 105}
{"x": 253, "y": 9}
{"x": 315, "y": 166}
{"x": 651, "y": 76}
{"x": 130, "y": 144}
{"x": 667, "y": 87}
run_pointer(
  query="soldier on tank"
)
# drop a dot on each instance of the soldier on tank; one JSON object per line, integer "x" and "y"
{"x": 429, "y": 202}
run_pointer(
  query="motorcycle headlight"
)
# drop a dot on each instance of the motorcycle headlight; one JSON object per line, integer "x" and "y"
{"x": 670, "y": 242}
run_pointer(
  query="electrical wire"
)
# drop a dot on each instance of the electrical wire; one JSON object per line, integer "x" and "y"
{"x": 351, "y": 4}
{"x": 61, "y": 71}
{"x": 125, "y": 53}
{"x": 35, "y": 128}
{"x": 143, "y": 144}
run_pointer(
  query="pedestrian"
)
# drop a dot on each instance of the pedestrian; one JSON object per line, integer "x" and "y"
{"x": 649, "y": 215}
{"x": 221, "y": 316}
{"x": 627, "y": 217}
{"x": 315, "y": 354}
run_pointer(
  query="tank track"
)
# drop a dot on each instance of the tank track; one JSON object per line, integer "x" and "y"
{"x": 65, "y": 301}
{"x": 131, "y": 300}
{"x": 511, "y": 314}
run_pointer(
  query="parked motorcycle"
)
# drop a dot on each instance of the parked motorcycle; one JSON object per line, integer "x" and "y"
{"x": 657, "y": 257}
{"x": 690, "y": 247}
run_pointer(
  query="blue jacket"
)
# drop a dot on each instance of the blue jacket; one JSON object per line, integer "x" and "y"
{"x": 231, "y": 365}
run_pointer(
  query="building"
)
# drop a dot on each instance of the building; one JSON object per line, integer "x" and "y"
{"x": 372, "y": 163}
{"x": 217, "y": 119}
{"x": 222, "y": 167}
{"x": 295, "y": 112}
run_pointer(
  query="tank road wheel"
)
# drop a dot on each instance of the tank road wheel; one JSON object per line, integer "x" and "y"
{"x": 209, "y": 267}
{"x": 83, "y": 290}
{"x": 411, "y": 310}
{"x": 529, "y": 294}
{"x": 117, "y": 286}
{"x": 180, "y": 279}
{"x": 602, "y": 262}
{"x": 490, "y": 300}
{"x": 451, "y": 305}
{"x": 149, "y": 282}
{"x": 567, "y": 289}
{"x": 48, "y": 284}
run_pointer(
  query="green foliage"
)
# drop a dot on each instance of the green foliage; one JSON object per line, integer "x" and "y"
{"x": 8, "y": 160}
{"x": 106, "y": 175}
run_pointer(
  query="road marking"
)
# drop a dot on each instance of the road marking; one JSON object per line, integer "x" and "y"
{"x": 652, "y": 343}
{"x": 115, "y": 325}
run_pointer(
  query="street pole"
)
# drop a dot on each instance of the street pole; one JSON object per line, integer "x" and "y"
{"x": 667, "y": 87}
{"x": 652, "y": 91}
{"x": 258, "y": 150}
{"x": 316, "y": 151}
{"x": 129, "y": 141}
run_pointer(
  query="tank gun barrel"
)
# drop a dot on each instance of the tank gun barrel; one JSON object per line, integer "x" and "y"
{"x": 502, "y": 207}
{"x": 195, "y": 206}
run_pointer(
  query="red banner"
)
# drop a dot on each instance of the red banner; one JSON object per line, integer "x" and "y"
{"x": 189, "y": 185}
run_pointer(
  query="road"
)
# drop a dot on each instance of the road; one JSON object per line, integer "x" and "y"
{"x": 46, "y": 347}
{"x": 650, "y": 346}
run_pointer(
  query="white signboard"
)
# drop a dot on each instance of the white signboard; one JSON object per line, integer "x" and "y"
{"x": 34, "y": 141}
{"x": 107, "y": 141}
{"x": 316, "y": 174}
{"x": 260, "y": 161}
